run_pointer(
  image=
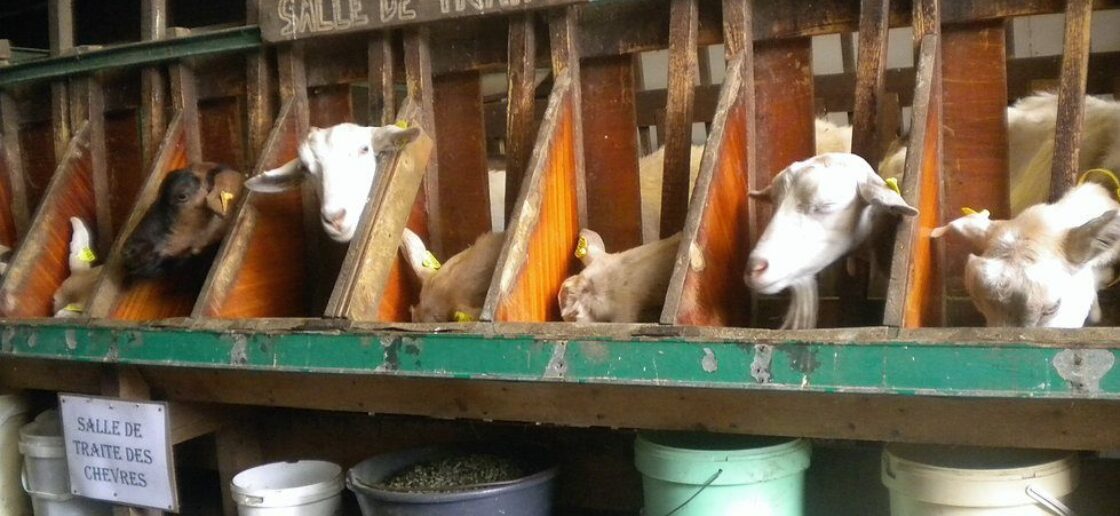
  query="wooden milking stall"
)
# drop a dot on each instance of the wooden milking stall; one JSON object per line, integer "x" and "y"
{"x": 281, "y": 343}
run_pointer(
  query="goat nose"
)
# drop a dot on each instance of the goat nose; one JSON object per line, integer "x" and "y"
{"x": 334, "y": 219}
{"x": 757, "y": 266}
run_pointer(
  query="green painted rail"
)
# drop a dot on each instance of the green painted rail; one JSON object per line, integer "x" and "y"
{"x": 132, "y": 54}
{"x": 901, "y": 365}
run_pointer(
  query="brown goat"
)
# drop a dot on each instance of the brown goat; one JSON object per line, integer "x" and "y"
{"x": 623, "y": 287}
{"x": 456, "y": 290}
{"x": 190, "y": 215}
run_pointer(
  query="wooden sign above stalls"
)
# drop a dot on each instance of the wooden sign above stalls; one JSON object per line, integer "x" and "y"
{"x": 287, "y": 20}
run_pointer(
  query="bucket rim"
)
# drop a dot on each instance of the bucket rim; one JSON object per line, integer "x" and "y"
{"x": 360, "y": 488}
{"x": 785, "y": 445}
{"x": 288, "y": 496}
{"x": 741, "y": 466}
{"x": 1062, "y": 461}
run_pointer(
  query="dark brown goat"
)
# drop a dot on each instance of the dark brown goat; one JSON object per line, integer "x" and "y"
{"x": 190, "y": 215}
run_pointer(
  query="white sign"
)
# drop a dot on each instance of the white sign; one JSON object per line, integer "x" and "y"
{"x": 119, "y": 451}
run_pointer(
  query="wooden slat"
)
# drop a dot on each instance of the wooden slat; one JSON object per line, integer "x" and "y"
{"x": 360, "y": 289}
{"x": 42, "y": 262}
{"x": 611, "y": 156}
{"x": 1071, "y": 97}
{"x": 545, "y": 224}
{"x": 683, "y": 28}
{"x": 124, "y": 164}
{"x": 418, "y": 77}
{"x": 707, "y": 285}
{"x": 37, "y": 146}
{"x": 153, "y": 299}
{"x": 15, "y": 215}
{"x": 521, "y": 121}
{"x": 914, "y": 297}
{"x": 463, "y": 208}
{"x": 259, "y": 84}
{"x": 566, "y": 53}
{"x": 975, "y": 134}
{"x": 382, "y": 76}
{"x": 259, "y": 270}
{"x": 153, "y": 96}
{"x": 60, "y": 20}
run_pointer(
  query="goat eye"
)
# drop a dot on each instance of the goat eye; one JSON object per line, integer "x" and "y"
{"x": 822, "y": 208}
{"x": 181, "y": 197}
{"x": 1052, "y": 309}
{"x": 364, "y": 149}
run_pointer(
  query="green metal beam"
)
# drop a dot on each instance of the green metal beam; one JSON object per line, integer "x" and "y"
{"x": 132, "y": 54}
{"x": 1009, "y": 370}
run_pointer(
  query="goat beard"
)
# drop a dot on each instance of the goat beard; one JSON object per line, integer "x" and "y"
{"x": 803, "y": 305}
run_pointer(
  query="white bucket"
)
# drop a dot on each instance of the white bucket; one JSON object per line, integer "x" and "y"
{"x": 13, "y": 415}
{"x": 970, "y": 481}
{"x": 297, "y": 488}
{"x": 45, "y": 476}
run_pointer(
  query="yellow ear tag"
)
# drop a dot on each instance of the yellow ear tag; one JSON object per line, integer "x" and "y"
{"x": 430, "y": 261}
{"x": 969, "y": 211}
{"x": 463, "y": 317}
{"x": 226, "y": 198}
{"x": 1108, "y": 173}
{"x": 87, "y": 255}
{"x": 74, "y": 307}
{"x": 892, "y": 183}
{"x": 581, "y": 247}
{"x": 403, "y": 124}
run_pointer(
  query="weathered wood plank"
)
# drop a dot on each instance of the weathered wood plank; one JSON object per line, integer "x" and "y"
{"x": 382, "y": 75}
{"x": 1071, "y": 98}
{"x": 153, "y": 96}
{"x": 259, "y": 84}
{"x": 463, "y": 209}
{"x": 975, "y": 134}
{"x": 16, "y": 215}
{"x": 611, "y": 155}
{"x": 521, "y": 123}
{"x": 683, "y": 28}
{"x": 418, "y": 77}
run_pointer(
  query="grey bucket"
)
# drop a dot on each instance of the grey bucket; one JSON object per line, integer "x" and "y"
{"x": 527, "y": 496}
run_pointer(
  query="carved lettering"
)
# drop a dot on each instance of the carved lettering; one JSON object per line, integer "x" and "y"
{"x": 356, "y": 13}
{"x": 295, "y": 19}
{"x": 286, "y": 9}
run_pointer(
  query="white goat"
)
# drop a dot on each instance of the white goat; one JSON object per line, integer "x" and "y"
{"x": 341, "y": 161}
{"x": 628, "y": 286}
{"x": 1045, "y": 266}
{"x": 824, "y": 208}
{"x": 72, "y": 295}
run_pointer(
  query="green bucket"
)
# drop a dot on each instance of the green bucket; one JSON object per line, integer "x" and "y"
{"x": 686, "y": 474}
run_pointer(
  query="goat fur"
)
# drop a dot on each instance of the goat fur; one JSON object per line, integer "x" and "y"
{"x": 459, "y": 285}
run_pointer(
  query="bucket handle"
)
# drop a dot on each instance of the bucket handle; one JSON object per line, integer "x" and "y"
{"x": 54, "y": 497}
{"x": 1050, "y": 502}
{"x": 697, "y": 493}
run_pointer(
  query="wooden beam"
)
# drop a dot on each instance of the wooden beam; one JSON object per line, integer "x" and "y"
{"x": 382, "y": 78}
{"x": 18, "y": 217}
{"x": 521, "y": 125}
{"x": 870, "y": 78}
{"x": 464, "y": 189}
{"x": 566, "y": 52}
{"x": 418, "y": 76}
{"x": 60, "y": 16}
{"x": 153, "y": 100}
{"x": 683, "y": 28}
{"x": 1071, "y": 98}
{"x": 259, "y": 84}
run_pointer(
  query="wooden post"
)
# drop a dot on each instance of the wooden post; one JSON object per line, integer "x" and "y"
{"x": 418, "y": 76}
{"x": 564, "y": 38}
{"x": 12, "y": 156}
{"x": 237, "y": 448}
{"x": 521, "y": 127}
{"x": 382, "y": 79}
{"x": 258, "y": 92}
{"x": 153, "y": 103}
{"x": 683, "y": 28}
{"x": 1071, "y": 97}
{"x": 185, "y": 101}
{"x": 61, "y": 26}
{"x": 645, "y": 140}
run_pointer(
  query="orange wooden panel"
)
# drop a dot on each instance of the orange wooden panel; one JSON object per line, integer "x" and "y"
{"x": 262, "y": 268}
{"x": 42, "y": 262}
{"x": 712, "y": 292}
{"x": 611, "y": 151}
{"x": 7, "y": 220}
{"x": 173, "y": 295}
{"x": 549, "y": 257}
{"x": 220, "y": 122}
{"x": 402, "y": 289}
{"x": 974, "y": 115}
{"x": 124, "y": 160}
{"x": 464, "y": 184}
{"x": 784, "y": 115}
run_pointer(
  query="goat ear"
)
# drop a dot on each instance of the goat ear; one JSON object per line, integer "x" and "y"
{"x": 286, "y": 177}
{"x": 1094, "y": 238}
{"x": 81, "y": 246}
{"x": 762, "y": 195}
{"x": 391, "y": 137}
{"x": 589, "y": 247}
{"x": 876, "y": 193}
{"x": 975, "y": 228}
{"x": 225, "y": 191}
{"x": 417, "y": 255}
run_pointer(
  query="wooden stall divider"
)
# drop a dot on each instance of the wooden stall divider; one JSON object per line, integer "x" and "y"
{"x": 245, "y": 280}
{"x": 418, "y": 77}
{"x": 550, "y": 208}
{"x": 521, "y": 123}
{"x": 381, "y": 63}
{"x": 1071, "y": 98}
{"x": 41, "y": 263}
{"x": 60, "y": 19}
{"x": 463, "y": 203}
{"x": 915, "y": 293}
{"x": 153, "y": 99}
{"x": 974, "y": 113}
{"x": 707, "y": 287}
{"x": 365, "y": 272}
{"x": 869, "y": 99}
{"x": 683, "y": 35}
